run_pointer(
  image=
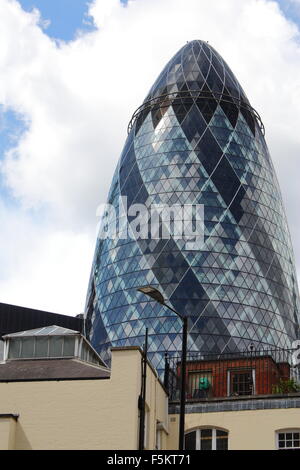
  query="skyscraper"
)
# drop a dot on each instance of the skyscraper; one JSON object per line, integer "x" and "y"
{"x": 197, "y": 140}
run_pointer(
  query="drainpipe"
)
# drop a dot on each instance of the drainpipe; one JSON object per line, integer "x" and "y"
{"x": 142, "y": 397}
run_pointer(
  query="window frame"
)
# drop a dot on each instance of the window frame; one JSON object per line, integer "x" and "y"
{"x": 286, "y": 431}
{"x": 213, "y": 438}
{"x": 240, "y": 370}
{"x": 195, "y": 375}
{"x": 34, "y": 340}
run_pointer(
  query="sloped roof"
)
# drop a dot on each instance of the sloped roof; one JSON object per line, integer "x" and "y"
{"x": 53, "y": 330}
{"x": 51, "y": 369}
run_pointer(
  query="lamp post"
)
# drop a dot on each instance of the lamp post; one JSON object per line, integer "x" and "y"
{"x": 158, "y": 297}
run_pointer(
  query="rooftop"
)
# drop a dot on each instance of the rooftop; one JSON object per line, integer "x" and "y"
{"x": 211, "y": 378}
{"x": 50, "y": 352}
{"x": 51, "y": 369}
{"x": 53, "y": 330}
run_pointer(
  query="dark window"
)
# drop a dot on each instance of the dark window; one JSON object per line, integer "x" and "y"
{"x": 206, "y": 439}
{"x": 190, "y": 441}
{"x": 222, "y": 440}
{"x": 241, "y": 382}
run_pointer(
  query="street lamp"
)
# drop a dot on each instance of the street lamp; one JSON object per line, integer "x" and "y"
{"x": 158, "y": 297}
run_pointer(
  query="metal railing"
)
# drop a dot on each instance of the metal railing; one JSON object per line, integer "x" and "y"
{"x": 243, "y": 374}
{"x": 189, "y": 97}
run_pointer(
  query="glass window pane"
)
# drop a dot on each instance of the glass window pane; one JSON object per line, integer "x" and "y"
{"x": 222, "y": 443}
{"x": 41, "y": 347}
{"x": 241, "y": 383}
{"x": 206, "y": 444}
{"x": 48, "y": 329}
{"x": 84, "y": 352}
{"x": 14, "y": 348}
{"x": 55, "y": 346}
{"x": 206, "y": 433}
{"x": 27, "y": 347}
{"x": 69, "y": 346}
{"x": 206, "y": 439}
{"x": 190, "y": 441}
{"x": 93, "y": 358}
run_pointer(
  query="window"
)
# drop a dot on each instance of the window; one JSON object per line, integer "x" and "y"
{"x": 14, "y": 348}
{"x": 41, "y": 347}
{"x": 56, "y": 346}
{"x": 241, "y": 382}
{"x": 27, "y": 347}
{"x": 87, "y": 354}
{"x": 200, "y": 384}
{"x": 69, "y": 345}
{"x": 288, "y": 439}
{"x": 206, "y": 439}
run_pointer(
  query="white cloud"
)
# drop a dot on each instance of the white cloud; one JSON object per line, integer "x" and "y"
{"x": 42, "y": 267}
{"x": 78, "y": 98}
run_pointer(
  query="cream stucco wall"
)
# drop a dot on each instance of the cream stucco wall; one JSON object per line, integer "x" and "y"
{"x": 157, "y": 405}
{"x": 7, "y": 433}
{"x": 83, "y": 414}
{"x": 248, "y": 430}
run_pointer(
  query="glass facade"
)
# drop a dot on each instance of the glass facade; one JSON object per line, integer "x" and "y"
{"x": 197, "y": 140}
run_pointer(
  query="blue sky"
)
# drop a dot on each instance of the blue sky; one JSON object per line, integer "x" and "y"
{"x": 66, "y": 16}
{"x": 291, "y": 9}
{"x": 12, "y": 127}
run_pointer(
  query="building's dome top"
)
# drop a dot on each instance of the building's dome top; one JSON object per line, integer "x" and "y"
{"x": 197, "y": 66}
{"x": 197, "y": 74}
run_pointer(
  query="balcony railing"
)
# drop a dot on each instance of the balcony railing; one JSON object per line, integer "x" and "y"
{"x": 243, "y": 374}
